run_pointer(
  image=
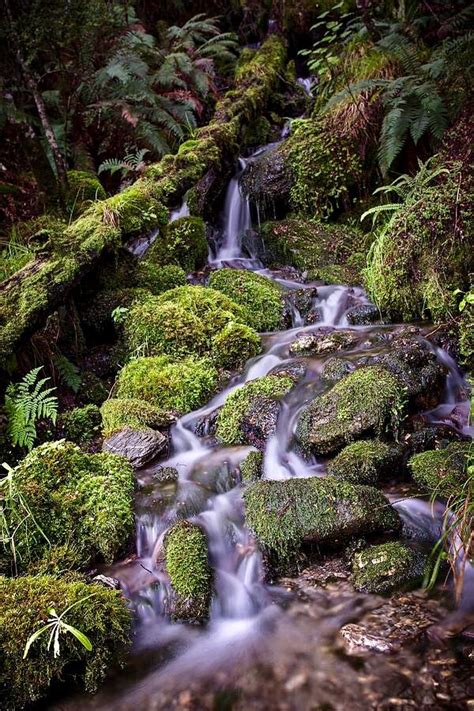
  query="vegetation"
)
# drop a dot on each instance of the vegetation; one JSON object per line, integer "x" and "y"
{"x": 388, "y": 567}
{"x": 82, "y": 424}
{"x": 27, "y": 402}
{"x": 364, "y": 462}
{"x": 182, "y": 242}
{"x": 119, "y": 413}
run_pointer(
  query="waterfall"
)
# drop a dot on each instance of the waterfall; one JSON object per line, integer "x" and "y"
{"x": 236, "y": 219}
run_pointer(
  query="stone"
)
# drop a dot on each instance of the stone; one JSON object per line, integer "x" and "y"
{"x": 323, "y": 341}
{"x": 363, "y": 315}
{"x": 138, "y": 446}
{"x": 388, "y": 567}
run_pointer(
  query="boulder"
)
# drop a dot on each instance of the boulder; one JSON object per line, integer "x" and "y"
{"x": 138, "y": 446}
{"x": 388, "y": 567}
{"x": 365, "y": 461}
{"x": 323, "y": 341}
{"x": 363, "y": 315}
{"x": 443, "y": 471}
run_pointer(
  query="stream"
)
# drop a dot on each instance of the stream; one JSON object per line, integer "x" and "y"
{"x": 290, "y": 631}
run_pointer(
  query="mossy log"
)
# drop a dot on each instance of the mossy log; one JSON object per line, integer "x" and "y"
{"x": 31, "y": 294}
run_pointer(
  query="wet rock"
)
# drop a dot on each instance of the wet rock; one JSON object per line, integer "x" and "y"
{"x": 107, "y": 582}
{"x": 313, "y": 316}
{"x": 251, "y": 468}
{"x": 267, "y": 179}
{"x": 436, "y": 436}
{"x": 260, "y": 421}
{"x": 299, "y": 302}
{"x": 206, "y": 425}
{"x": 443, "y": 471}
{"x": 366, "y": 461}
{"x": 363, "y": 315}
{"x": 295, "y": 370}
{"x": 286, "y": 514}
{"x": 166, "y": 475}
{"x": 388, "y": 567}
{"x": 370, "y": 400}
{"x": 138, "y": 446}
{"x": 323, "y": 341}
{"x": 336, "y": 368}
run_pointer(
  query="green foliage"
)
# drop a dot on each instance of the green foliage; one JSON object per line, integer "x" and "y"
{"x": 109, "y": 308}
{"x": 251, "y": 467}
{"x": 92, "y": 389}
{"x": 68, "y": 372}
{"x": 101, "y": 614}
{"x": 82, "y": 424}
{"x": 182, "y": 242}
{"x": 13, "y": 255}
{"x": 234, "y": 345}
{"x": 363, "y": 462}
{"x": 158, "y": 279}
{"x": 172, "y": 386}
{"x": 119, "y": 413}
{"x": 26, "y": 403}
{"x": 132, "y": 163}
{"x": 82, "y": 189}
{"x": 260, "y": 297}
{"x": 388, "y": 567}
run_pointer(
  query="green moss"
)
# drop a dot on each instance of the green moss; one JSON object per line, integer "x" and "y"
{"x": 174, "y": 386}
{"x": 363, "y": 462}
{"x": 119, "y": 413}
{"x": 369, "y": 400}
{"x": 232, "y": 414}
{"x": 466, "y": 335}
{"x": 189, "y": 571}
{"x": 82, "y": 189}
{"x": 96, "y": 316}
{"x": 284, "y": 514}
{"x": 78, "y": 500}
{"x": 183, "y": 242}
{"x": 251, "y": 467}
{"x": 260, "y": 297}
{"x": 81, "y": 425}
{"x": 103, "y": 618}
{"x": 159, "y": 279}
{"x": 135, "y": 209}
{"x": 234, "y": 345}
{"x": 92, "y": 389}
{"x": 442, "y": 471}
{"x": 388, "y": 567}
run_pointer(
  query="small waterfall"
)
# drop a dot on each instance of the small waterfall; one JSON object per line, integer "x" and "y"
{"x": 182, "y": 211}
{"x": 306, "y": 83}
{"x": 237, "y": 219}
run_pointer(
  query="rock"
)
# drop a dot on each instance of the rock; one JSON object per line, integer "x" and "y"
{"x": 285, "y": 514}
{"x": 260, "y": 421}
{"x": 107, "y": 582}
{"x": 138, "y": 446}
{"x": 206, "y": 425}
{"x": 336, "y": 368}
{"x": 299, "y": 302}
{"x": 370, "y": 400}
{"x": 365, "y": 462}
{"x": 443, "y": 471}
{"x": 166, "y": 475}
{"x": 323, "y": 341}
{"x": 435, "y": 436}
{"x": 294, "y": 370}
{"x": 388, "y": 567}
{"x": 363, "y": 315}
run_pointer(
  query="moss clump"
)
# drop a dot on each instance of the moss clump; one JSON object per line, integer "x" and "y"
{"x": 251, "y": 467}
{"x": 159, "y": 279}
{"x": 231, "y": 417}
{"x": 235, "y": 345}
{"x": 442, "y": 471}
{"x": 81, "y": 425}
{"x": 96, "y": 316}
{"x": 370, "y": 400}
{"x": 82, "y": 189}
{"x": 363, "y": 462}
{"x": 137, "y": 414}
{"x": 92, "y": 389}
{"x": 78, "y": 500}
{"x": 182, "y": 321}
{"x": 285, "y": 514}
{"x": 466, "y": 334}
{"x": 189, "y": 571}
{"x": 136, "y": 209}
{"x": 329, "y": 253}
{"x": 103, "y": 618}
{"x": 182, "y": 242}
{"x": 182, "y": 386}
{"x": 388, "y": 567}
{"x": 260, "y": 297}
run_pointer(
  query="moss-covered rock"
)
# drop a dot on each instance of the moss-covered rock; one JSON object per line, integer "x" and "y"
{"x": 335, "y": 369}
{"x": 251, "y": 467}
{"x": 96, "y": 316}
{"x": 77, "y": 500}
{"x": 388, "y": 567}
{"x": 167, "y": 385}
{"x": 370, "y": 400}
{"x": 250, "y": 414}
{"x": 286, "y": 514}
{"x": 234, "y": 345}
{"x": 364, "y": 462}
{"x": 182, "y": 242}
{"x": 443, "y": 471}
{"x": 82, "y": 424}
{"x": 82, "y": 189}
{"x": 159, "y": 279}
{"x": 189, "y": 572}
{"x": 260, "y": 297}
{"x": 104, "y": 618}
{"x": 118, "y": 413}
{"x": 466, "y": 334}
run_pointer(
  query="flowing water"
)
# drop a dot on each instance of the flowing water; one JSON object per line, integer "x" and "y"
{"x": 247, "y": 618}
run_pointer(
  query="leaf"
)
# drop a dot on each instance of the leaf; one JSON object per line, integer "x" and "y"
{"x": 33, "y": 638}
{"x": 83, "y": 639}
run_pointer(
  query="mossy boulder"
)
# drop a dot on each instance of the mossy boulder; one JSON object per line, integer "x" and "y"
{"x": 369, "y": 401}
{"x": 286, "y": 514}
{"x": 182, "y": 242}
{"x": 186, "y": 560}
{"x": 335, "y": 369}
{"x": 159, "y": 279}
{"x": 260, "y": 297}
{"x": 118, "y": 413}
{"x": 82, "y": 502}
{"x": 82, "y": 425}
{"x": 365, "y": 462}
{"x": 251, "y": 468}
{"x": 323, "y": 341}
{"x": 234, "y": 345}
{"x": 250, "y": 413}
{"x": 443, "y": 471}
{"x": 82, "y": 189}
{"x": 167, "y": 385}
{"x": 388, "y": 567}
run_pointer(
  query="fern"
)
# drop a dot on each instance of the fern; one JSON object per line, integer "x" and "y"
{"x": 27, "y": 402}
{"x": 69, "y": 373}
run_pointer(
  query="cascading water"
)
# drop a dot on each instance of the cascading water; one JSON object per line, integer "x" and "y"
{"x": 237, "y": 220}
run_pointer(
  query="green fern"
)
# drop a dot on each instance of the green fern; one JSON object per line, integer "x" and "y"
{"x": 26, "y": 403}
{"x": 69, "y": 373}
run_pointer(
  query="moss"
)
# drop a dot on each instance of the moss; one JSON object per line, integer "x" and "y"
{"x": 260, "y": 297}
{"x": 363, "y": 462}
{"x": 92, "y": 389}
{"x": 119, "y": 413}
{"x": 173, "y": 386}
{"x": 79, "y": 500}
{"x": 159, "y": 279}
{"x": 96, "y": 315}
{"x": 231, "y": 416}
{"x": 442, "y": 471}
{"x": 183, "y": 242}
{"x": 466, "y": 335}
{"x": 327, "y": 252}
{"x": 388, "y": 567}
{"x": 369, "y": 400}
{"x": 251, "y": 467}
{"x": 234, "y": 345}
{"x": 136, "y": 209}
{"x": 258, "y": 132}
{"x": 81, "y": 425}
{"x": 103, "y": 618}
{"x": 284, "y": 514}
{"x": 82, "y": 189}
{"x": 189, "y": 571}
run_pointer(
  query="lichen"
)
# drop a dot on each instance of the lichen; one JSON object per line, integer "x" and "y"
{"x": 388, "y": 567}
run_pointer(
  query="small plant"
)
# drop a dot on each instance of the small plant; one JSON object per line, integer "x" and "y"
{"x": 132, "y": 163}
{"x": 27, "y": 402}
{"x": 119, "y": 314}
{"x": 467, "y": 298}
{"x": 68, "y": 372}
{"x": 56, "y": 626}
